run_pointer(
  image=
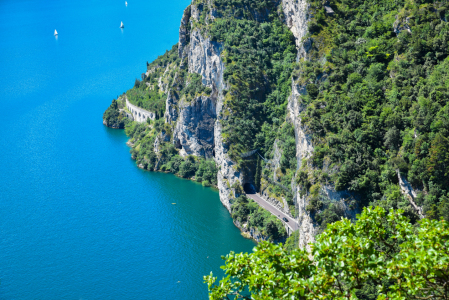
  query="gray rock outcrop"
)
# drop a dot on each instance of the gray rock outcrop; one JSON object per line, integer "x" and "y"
{"x": 161, "y": 138}
{"x": 184, "y": 31}
{"x": 297, "y": 17}
{"x": 198, "y": 124}
{"x": 401, "y": 25}
{"x": 408, "y": 191}
{"x": 204, "y": 59}
{"x": 194, "y": 130}
{"x": 296, "y": 13}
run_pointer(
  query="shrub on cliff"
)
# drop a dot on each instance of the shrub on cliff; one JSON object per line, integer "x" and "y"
{"x": 245, "y": 210}
{"x": 175, "y": 163}
{"x": 188, "y": 168}
{"x": 378, "y": 99}
{"x": 112, "y": 117}
{"x": 382, "y": 256}
{"x": 207, "y": 171}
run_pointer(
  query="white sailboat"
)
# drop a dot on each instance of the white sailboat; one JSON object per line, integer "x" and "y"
{"x": 121, "y": 25}
{"x": 126, "y": 3}
{"x": 56, "y": 33}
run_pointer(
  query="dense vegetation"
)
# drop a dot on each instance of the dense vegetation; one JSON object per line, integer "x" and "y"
{"x": 143, "y": 137}
{"x": 247, "y": 212}
{"x": 378, "y": 101}
{"x": 382, "y": 256}
{"x": 113, "y": 117}
{"x": 376, "y": 105}
{"x": 150, "y": 93}
{"x": 259, "y": 53}
{"x": 376, "y": 108}
{"x": 259, "y": 59}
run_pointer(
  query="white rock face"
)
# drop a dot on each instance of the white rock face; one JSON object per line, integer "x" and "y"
{"x": 163, "y": 86}
{"x": 227, "y": 174}
{"x": 304, "y": 148}
{"x": 276, "y": 161}
{"x": 194, "y": 129}
{"x": 184, "y": 32}
{"x": 408, "y": 191}
{"x": 204, "y": 59}
{"x": 297, "y": 18}
{"x": 161, "y": 138}
{"x": 139, "y": 114}
{"x": 307, "y": 230}
{"x": 198, "y": 127}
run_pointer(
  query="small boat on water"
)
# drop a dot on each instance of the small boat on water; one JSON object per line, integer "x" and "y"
{"x": 56, "y": 33}
{"x": 126, "y": 3}
{"x": 121, "y": 25}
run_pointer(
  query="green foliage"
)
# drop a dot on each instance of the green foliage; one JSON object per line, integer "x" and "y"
{"x": 382, "y": 256}
{"x": 244, "y": 9}
{"x": 113, "y": 117}
{"x": 292, "y": 242}
{"x": 259, "y": 59}
{"x": 143, "y": 137}
{"x": 188, "y": 168}
{"x": 378, "y": 101}
{"x": 207, "y": 172}
{"x": 147, "y": 93}
{"x": 245, "y": 210}
{"x": 174, "y": 164}
{"x": 288, "y": 147}
{"x": 151, "y": 100}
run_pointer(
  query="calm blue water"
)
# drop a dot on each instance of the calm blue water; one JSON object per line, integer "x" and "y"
{"x": 78, "y": 219}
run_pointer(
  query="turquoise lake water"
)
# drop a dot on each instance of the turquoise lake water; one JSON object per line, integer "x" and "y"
{"x": 78, "y": 219}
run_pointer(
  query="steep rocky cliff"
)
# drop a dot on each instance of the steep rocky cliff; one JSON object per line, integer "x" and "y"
{"x": 272, "y": 76}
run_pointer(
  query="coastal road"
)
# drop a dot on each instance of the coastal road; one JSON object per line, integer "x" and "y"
{"x": 292, "y": 223}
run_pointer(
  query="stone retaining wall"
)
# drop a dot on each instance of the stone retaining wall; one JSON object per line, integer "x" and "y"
{"x": 139, "y": 114}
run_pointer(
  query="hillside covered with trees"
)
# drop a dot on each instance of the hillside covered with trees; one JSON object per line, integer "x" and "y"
{"x": 351, "y": 112}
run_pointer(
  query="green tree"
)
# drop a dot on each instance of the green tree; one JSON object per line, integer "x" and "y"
{"x": 383, "y": 254}
{"x": 438, "y": 165}
{"x": 292, "y": 242}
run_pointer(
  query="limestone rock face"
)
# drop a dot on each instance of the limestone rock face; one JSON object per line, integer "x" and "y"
{"x": 228, "y": 175}
{"x": 408, "y": 191}
{"x": 162, "y": 137}
{"x": 297, "y": 18}
{"x": 304, "y": 148}
{"x": 276, "y": 162}
{"x": 194, "y": 130}
{"x": 198, "y": 125}
{"x": 195, "y": 127}
{"x": 162, "y": 83}
{"x": 204, "y": 59}
{"x": 401, "y": 25}
{"x": 171, "y": 111}
{"x": 184, "y": 31}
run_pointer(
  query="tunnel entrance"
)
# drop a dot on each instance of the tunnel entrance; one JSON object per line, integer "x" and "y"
{"x": 249, "y": 188}
{"x": 178, "y": 144}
